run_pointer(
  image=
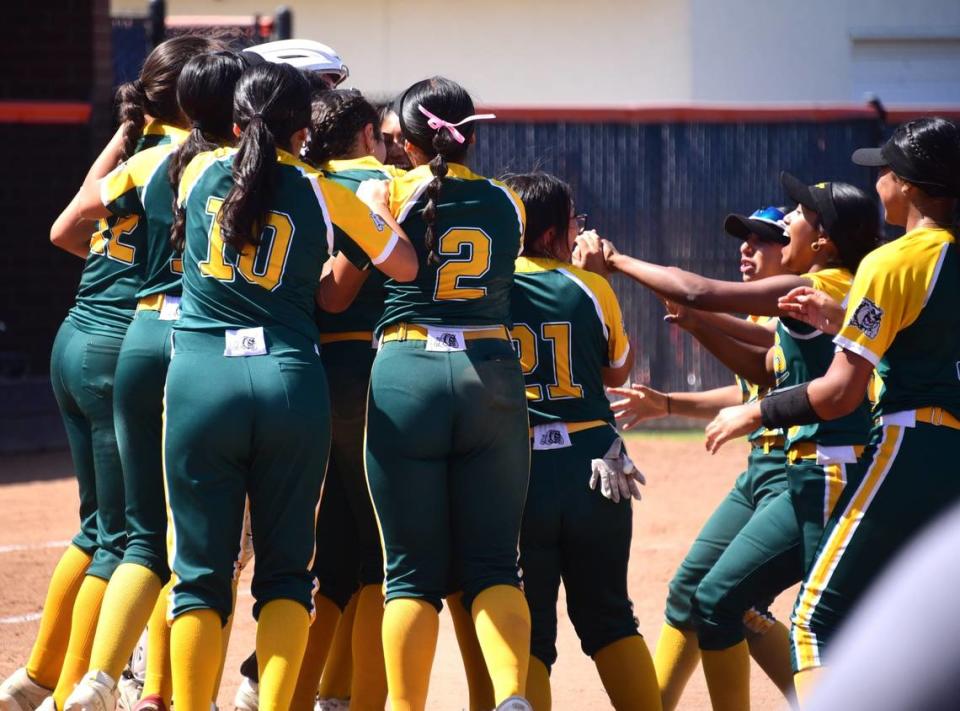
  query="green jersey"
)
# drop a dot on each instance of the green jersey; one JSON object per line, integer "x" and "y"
{"x": 367, "y": 307}
{"x": 802, "y": 353}
{"x": 478, "y": 231}
{"x": 903, "y": 317}
{"x": 567, "y": 327}
{"x": 116, "y": 267}
{"x": 270, "y": 285}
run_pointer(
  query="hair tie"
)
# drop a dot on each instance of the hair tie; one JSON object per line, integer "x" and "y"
{"x": 437, "y": 123}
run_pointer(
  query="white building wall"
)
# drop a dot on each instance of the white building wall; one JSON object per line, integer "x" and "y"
{"x": 821, "y": 50}
{"x": 523, "y": 52}
{"x": 628, "y": 52}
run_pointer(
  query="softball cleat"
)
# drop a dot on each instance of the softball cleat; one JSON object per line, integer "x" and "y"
{"x": 95, "y": 692}
{"x": 19, "y": 692}
{"x": 514, "y": 703}
{"x": 248, "y": 696}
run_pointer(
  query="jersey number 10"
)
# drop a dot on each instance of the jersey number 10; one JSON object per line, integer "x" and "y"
{"x": 262, "y": 266}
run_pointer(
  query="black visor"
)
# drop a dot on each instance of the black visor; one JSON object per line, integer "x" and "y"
{"x": 890, "y": 156}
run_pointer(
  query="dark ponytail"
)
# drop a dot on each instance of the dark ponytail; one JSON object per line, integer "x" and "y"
{"x": 271, "y": 103}
{"x": 449, "y": 101}
{"x": 856, "y": 231}
{"x": 205, "y": 93}
{"x": 154, "y": 93}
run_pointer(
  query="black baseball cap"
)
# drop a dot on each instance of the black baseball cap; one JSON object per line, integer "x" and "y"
{"x": 908, "y": 167}
{"x": 817, "y": 197}
{"x": 766, "y": 223}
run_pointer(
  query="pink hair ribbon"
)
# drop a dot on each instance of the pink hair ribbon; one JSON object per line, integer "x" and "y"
{"x": 437, "y": 123}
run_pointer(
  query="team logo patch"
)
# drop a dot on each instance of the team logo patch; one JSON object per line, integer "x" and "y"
{"x": 378, "y": 221}
{"x": 867, "y": 317}
{"x": 551, "y": 438}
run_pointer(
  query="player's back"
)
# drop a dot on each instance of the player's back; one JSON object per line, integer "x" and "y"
{"x": 478, "y": 228}
{"x": 567, "y": 327}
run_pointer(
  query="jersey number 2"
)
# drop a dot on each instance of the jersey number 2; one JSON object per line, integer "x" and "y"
{"x": 262, "y": 266}
{"x": 467, "y": 250}
{"x": 559, "y": 336}
{"x": 108, "y": 239}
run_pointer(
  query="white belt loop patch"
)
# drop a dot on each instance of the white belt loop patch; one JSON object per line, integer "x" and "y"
{"x": 170, "y": 310}
{"x": 904, "y": 418}
{"x": 551, "y": 436}
{"x": 245, "y": 342}
{"x": 844, "y": 454}
{"x": 446, "y": 340}
{"x": 375, "y": 342}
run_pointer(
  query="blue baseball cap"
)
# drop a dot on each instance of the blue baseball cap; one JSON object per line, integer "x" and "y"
{"x": 767, "y": 223}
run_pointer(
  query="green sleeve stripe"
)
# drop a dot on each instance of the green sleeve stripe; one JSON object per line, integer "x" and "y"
{"x": 596, "y": 303}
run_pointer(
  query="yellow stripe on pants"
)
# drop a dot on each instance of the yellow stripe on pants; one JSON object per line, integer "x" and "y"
{"x": 835, "y": 479}
{"x": 804, "y": 638}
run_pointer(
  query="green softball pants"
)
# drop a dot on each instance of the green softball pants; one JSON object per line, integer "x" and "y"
{"x": 908, "y": 477}
{"x": 236, "y": 427}
{"x": 348, "y": 542}
{"x": 82, "y": 368}
{"x": 448, "y": 462}
{"x": 138, "y": 410}
{"x": 575, "y": 534}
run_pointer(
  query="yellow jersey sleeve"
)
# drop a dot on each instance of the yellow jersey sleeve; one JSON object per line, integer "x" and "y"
{"x": 351, "y": 219}
{"x": 120, "y": 189}
{"x": 608, "y": 309}
{"x": 890, "y": 290}
{"x": 834, "y": 282}
{"x": 406, "y": 188}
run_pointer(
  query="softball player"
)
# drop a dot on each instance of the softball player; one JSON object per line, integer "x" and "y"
{"x": 447, "y": 455}
{"x": 246, "y": 410}
{"x": 82, "y": 369}
{"x": 141, "y": 188}
{"x": 762, "y": 484}
{"x": 901, "y": 319}
{"x": 347, "y": 146}
{"x": 568, "y": 328}
{"x": 832, "y": 228}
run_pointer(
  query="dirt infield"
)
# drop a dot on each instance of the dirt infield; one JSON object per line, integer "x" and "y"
{"x": 38, "y": 515}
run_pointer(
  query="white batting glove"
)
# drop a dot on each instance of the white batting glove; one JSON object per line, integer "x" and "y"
{"x": 616, "y": 473}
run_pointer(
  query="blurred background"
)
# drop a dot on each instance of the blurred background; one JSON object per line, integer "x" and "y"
{"x": 664, "y": 115}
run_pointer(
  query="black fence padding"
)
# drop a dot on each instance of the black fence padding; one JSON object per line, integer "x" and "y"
{"x": 128, "y": 37}
{"x": 661, "y": 192}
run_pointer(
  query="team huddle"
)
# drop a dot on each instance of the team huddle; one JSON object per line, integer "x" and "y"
{"x": 309, "y": 339}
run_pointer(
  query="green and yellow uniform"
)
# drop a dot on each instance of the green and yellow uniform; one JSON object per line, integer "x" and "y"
{"x": 347, "y": 349}
{"x": 83, "y": 365}
{"x": 821, "y": 458}
{"x": 141, "y": 189}
{"x": 902, "y": 316}
{"x": 747, "y": 552}
{"x": 247, "y": 410}
{"x": 447, "y": 454}
{"x": 567, "y": 327}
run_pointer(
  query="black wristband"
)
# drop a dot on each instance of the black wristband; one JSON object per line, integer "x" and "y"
{"x": 787, "y": 407}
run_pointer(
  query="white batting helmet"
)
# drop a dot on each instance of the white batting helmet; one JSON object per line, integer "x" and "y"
{"x": 303, "y": 54}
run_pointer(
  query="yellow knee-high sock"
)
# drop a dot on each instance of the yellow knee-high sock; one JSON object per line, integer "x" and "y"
{"x": 195, "y": 644}
{"x": 130, "y": 598}
{"x": 337, "y": 671}
{"x": 675, "y": 660}
{"x": 538, "y": 685}
{"x": 282, "y": 632}
{"x": 318, "y": 645}
{"x": 626, "y": 670}
{"x": 368, "y": 689}
{"x": 478, "y": 678}
{"x": 728, "y": 677}
{"x": 76, "y": 661}
{"x": 46, "y": 658}
{"x": 159, "y": 676}
{"x": 771, "y": 651}
{"x": 805, "y": 682}
{"x": 502, "y": 620}
{"x": 225, "y": 641}
{"x": 410, "y": 630}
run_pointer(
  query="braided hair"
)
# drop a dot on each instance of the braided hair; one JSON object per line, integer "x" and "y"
{"x": 337, "y": 116}
{"x": 205, "y": 92}
{"x": 271, "y": 103}
{"x": 451, "y": 102}
{"x": 154, "y": 92}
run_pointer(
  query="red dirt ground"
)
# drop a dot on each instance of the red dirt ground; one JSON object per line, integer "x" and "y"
{"x": 684, "y": 484}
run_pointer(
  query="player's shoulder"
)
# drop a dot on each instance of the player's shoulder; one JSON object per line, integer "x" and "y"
{"x": 198, "y": 167}
{"x": 914, "y": 249}
{"x": 835, "y": 281}
{"x": 596, "y": 284}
